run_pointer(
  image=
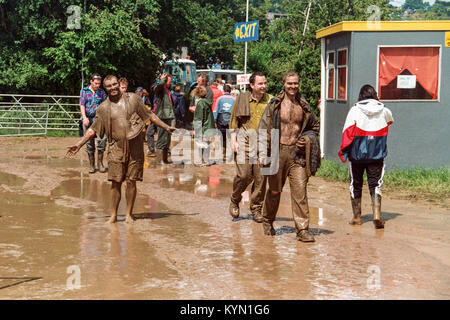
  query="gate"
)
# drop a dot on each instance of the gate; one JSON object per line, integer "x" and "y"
{"x": 24, "y": 115}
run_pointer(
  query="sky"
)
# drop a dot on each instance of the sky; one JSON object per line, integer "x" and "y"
{"x": 398, "y": 3}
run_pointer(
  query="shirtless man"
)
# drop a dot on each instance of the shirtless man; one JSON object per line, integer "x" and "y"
{"x": 121, "y": 117}
{"x": 290, "y": 114}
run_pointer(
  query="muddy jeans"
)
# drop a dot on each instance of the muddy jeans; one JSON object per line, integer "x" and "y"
{"x": 298, "y": 180}
{"x": 246, "y": 174}
{"x": 90, "y": 145}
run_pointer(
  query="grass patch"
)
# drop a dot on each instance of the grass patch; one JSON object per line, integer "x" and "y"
{"x": 419, "y": 182}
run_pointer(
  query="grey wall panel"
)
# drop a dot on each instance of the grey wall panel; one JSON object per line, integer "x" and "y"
{"x": 420, "y": 135}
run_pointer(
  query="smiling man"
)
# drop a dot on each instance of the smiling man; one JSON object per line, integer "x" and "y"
{"x": 291, "y": 114}
{"x": 121, "y": 117}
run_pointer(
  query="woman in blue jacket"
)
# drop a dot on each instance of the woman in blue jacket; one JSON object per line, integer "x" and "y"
{"x": 364, "y": 144}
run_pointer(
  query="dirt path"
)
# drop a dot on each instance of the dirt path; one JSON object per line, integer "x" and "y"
{"x": 54, "y": 243}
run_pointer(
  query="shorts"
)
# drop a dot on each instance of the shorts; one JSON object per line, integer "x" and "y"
{"x": 131, "y": 170}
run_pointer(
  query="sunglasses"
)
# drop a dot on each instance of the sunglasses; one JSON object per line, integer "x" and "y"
{"x": 96, "y": 77}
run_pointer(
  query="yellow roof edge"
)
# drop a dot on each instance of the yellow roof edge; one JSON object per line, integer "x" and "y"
{"x": 416, "y": 25}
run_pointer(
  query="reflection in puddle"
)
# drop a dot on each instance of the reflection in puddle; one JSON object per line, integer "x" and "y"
{"x": 11, "y": 180}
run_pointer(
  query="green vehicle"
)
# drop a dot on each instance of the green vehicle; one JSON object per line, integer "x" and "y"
{"x": 183, "y": 71}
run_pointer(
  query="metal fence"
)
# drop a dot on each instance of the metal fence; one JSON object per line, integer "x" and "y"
{"x": 22, "y": 114}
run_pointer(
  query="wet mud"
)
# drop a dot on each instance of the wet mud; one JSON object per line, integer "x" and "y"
{"x": 55, "y": 243}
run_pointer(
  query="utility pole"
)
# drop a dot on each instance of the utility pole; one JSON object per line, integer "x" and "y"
{"x": 304, "y": 28}
{"x": 245, "y": 62}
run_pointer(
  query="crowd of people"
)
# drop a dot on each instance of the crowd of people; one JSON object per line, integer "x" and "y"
{"x": 121, "y": 118}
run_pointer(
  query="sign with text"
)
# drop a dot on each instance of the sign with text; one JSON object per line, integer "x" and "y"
{"x": 242, "y": 79}
{"x": 246, "y": 31}
{"x": 447, "y": 39}
{"x": 406, "y": 82}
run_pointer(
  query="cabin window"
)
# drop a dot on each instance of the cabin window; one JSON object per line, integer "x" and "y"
{"x": 330, "y": 75}
{"x": 342, "y": 74}
{"x": 408, "y": 73}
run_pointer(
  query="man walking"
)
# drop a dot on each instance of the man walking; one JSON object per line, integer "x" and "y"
{"x": 247, "y": 111}
{"x": 90, "y": 98}
{"x": 121, "y": 117}
{"x": 165, "y": 111}
{"x": 292, "y": 116}
{"x": 222, "y": 115}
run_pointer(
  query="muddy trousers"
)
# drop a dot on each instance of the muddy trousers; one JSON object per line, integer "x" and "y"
{"x": 163, "y": 141}
{"x": 246, "y": 174}
{"x": 90, "y": 145}
{"x": 151, "y": 129}
{"x": 375, "y": 173}
{"x": 298, "y": 180}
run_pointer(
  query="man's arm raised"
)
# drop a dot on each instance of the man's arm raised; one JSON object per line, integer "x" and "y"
{"x": 71, "y": 151}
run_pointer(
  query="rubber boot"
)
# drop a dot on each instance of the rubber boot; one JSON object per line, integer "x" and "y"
{"x": 165, "y": 156}
{"x": 92, "y": 162}
{"x": 101, "y": 168}
{"x": 356, "y": 206}
{"x": 376, "y": 209}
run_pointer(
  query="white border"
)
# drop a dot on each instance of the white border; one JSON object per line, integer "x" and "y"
{"x": 346, "y": 74}
{"x": 411, "y": 46}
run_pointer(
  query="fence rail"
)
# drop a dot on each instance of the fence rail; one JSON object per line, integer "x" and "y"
{"x": 22, "y": 114}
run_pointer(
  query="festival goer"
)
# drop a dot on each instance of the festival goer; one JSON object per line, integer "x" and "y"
{"x": 245, "y": 117}
{"x": 125, "y": 137}
{"x": 292, "y": 116}
{"x": 222, "y": 115}
{"x": 164, "y": 111}
{"x": 90, "y": 98}
{"x": 364, "y": 144}
{"x": 123, "y": 83}
{"x": 204, "y": 128}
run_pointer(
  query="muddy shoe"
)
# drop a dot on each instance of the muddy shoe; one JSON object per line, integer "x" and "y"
{"x": 92, "y": 163}
{"x": 305, "y": 236}
{"x": 234, "y": 210}
{"x": 257, "y": 217}
{"x": 268, "y": 229}
{"x": 356, "y": 207}
{"x": 376, "y": 209}
{"x": 151, "y": 154}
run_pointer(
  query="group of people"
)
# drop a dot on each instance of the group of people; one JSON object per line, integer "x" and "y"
{"x": 293, "y": 153}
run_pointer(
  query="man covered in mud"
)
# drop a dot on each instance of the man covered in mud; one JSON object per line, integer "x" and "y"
{"x": 291, "y": 115}
{"x": 244, "y": 120}
{"x": 121, "y": 117}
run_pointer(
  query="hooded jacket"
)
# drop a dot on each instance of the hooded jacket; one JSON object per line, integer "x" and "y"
{"x": 365, "y": 132}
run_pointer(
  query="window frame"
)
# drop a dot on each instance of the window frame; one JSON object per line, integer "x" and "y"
{"x": 410, "y": 46}
{"x": 327, "y": 75}
{"x": 346, "y": 73}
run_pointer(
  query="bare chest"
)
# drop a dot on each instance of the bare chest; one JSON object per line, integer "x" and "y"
{"x": 291, "y": 113}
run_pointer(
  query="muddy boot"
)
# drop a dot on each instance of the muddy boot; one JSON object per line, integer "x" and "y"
{"x": 268, "y": 228}
{"x": 356, "y": 206}
{"x": 92, "y": 162}
{"x": 376, "y": 209}
{"x": 234, "y": 210}
{"x": 305, "y": 236}
{"x": 257, "y": 216}
{"x": 165, "y": 157}
{"x": 101, "y": 168}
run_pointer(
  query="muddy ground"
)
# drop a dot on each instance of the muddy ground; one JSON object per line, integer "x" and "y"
{"x": 55, "y": 244}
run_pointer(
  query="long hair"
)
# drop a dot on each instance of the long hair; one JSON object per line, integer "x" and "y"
{"x": 367, "y": 92}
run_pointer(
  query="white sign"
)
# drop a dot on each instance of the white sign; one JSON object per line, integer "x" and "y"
{"x": 406, "y": 82}
{"x": 243, "y": 79}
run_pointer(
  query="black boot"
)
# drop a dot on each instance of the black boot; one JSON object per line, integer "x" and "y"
{"x": 165, "y": 156}
{"x": 101, "y": 168}
{"x": 356, "y": 206}
{"x": 376, "y": 209}
{"x": 92, "y": 162}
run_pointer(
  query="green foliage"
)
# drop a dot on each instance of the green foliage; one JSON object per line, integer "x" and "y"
{"x": 39, "y": 54}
